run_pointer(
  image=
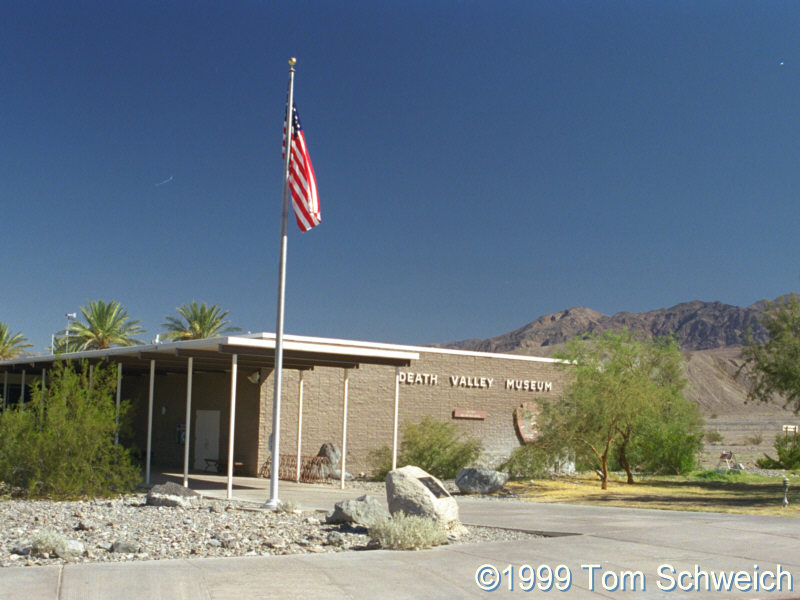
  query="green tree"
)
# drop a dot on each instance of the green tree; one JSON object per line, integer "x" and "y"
{"x": 773, "y": 368}
{"x": 12, "y": 345}
{"x": 103, "y": 326}
{"x": 669, "y": 439}
{"x": 622, "y": 388}
{"x": 61, "y": 443}
{"x": 197, "y": 321}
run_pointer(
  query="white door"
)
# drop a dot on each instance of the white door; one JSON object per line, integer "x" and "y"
{"x": 206, "y": 438}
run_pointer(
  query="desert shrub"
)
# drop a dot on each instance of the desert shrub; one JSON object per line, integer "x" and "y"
{"x": 788, "y": 451}
{"x": 380, "y": 460}
{"x": 287, "y": 506}
{"x": 435, "y": 446}
{"x": 714, "y": 437}
{"x": 61, "y": 443}
{"x": 408, "y": 532}
{"x": 528, "y": 461}
{"x": 47, "y": 541}
{"x": 754, "y": 440}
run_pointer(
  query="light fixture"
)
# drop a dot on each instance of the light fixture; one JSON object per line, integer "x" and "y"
{"x": 254, "y": 377}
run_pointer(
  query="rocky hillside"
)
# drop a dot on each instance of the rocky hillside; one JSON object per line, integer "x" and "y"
{"x": 697, "y": 325}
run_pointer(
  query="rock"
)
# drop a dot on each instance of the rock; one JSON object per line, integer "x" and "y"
{"x": 172, "y": 494}
{"x": 330, "y": 451}
{"x": 124, "y": 547}
{"x": 477, "y": 480}
{"x": 337, "y": 475}
{"x": 415, "y": 492}
{"x": 70, "y": 549}
{"x": 21, "y": 550}
{"x": 335, "y": 538}
{"x": 333, "y": 454}
{"x": 366, "y": 511}
{"x": 229, "y": 543}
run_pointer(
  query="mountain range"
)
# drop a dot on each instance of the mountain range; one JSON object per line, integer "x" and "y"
{"x": 697, "y": 325}
{"x": 710, "y": 333}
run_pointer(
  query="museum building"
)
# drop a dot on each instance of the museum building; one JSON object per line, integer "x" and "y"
{"x": 357, "y": 395}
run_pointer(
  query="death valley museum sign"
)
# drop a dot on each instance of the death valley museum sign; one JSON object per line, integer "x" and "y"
{"x": 474, "y": 381}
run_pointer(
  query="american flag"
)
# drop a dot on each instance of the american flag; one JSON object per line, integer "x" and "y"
{"x": 302, "y": 182}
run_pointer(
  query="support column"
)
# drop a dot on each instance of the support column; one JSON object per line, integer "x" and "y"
{"x": 232, "y": 425}
{"x": 44, "y": 379}
{"x": 344, "y": 423}
{"x": 22, "y": 390}
{"x": 299, "y": 427}
{"x": 396, "y": 410}
{"x": 187, "y": 437}
{"x": 150, "y": 421}
{"x": 5, "y": 389}
{"x": 119, "y": 398}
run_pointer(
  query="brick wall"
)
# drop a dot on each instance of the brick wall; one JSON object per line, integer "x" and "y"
{"x": 438, "y": 384}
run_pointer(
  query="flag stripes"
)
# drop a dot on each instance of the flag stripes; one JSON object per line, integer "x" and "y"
{"x": 302, "y": 183}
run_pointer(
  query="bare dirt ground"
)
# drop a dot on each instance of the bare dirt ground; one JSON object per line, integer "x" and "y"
{"x": 748, "y": 432}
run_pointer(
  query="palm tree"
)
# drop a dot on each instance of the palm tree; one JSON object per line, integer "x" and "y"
{"x": 197, "y": 322}
{"x": 11, "y": 345}
{"x": 105, "y": 325}
{"x": 62, "y": 343}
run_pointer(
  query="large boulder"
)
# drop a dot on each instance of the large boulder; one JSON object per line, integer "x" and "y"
{"x": 172, "y": 494}
{"x": 477, "y": 480}
{"x": 366, "y": 511}
{"x": 330, "y": 451}
{"x": 416, "y": 492}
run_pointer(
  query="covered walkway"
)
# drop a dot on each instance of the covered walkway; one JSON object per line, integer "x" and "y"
{"x": 223, "y": 355}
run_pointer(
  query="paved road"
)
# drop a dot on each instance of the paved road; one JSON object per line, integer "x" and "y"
{"x": 615, "y": 540}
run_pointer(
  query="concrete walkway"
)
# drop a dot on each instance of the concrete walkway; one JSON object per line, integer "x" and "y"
{"x": 615, "y": 540}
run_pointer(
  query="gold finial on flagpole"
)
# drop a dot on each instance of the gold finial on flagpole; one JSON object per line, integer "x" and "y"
{"x": 292, "y": 62}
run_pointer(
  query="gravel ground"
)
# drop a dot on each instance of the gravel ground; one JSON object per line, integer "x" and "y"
{"x": 128, "y": 529}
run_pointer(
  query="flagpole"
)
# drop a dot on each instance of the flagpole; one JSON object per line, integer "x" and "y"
{"x": 273, "y": 501}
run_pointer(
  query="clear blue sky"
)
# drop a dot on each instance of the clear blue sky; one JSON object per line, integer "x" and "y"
{"x": 479, "y": 163}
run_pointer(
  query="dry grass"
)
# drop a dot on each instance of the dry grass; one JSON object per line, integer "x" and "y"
{"x": 733, "y": 494}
